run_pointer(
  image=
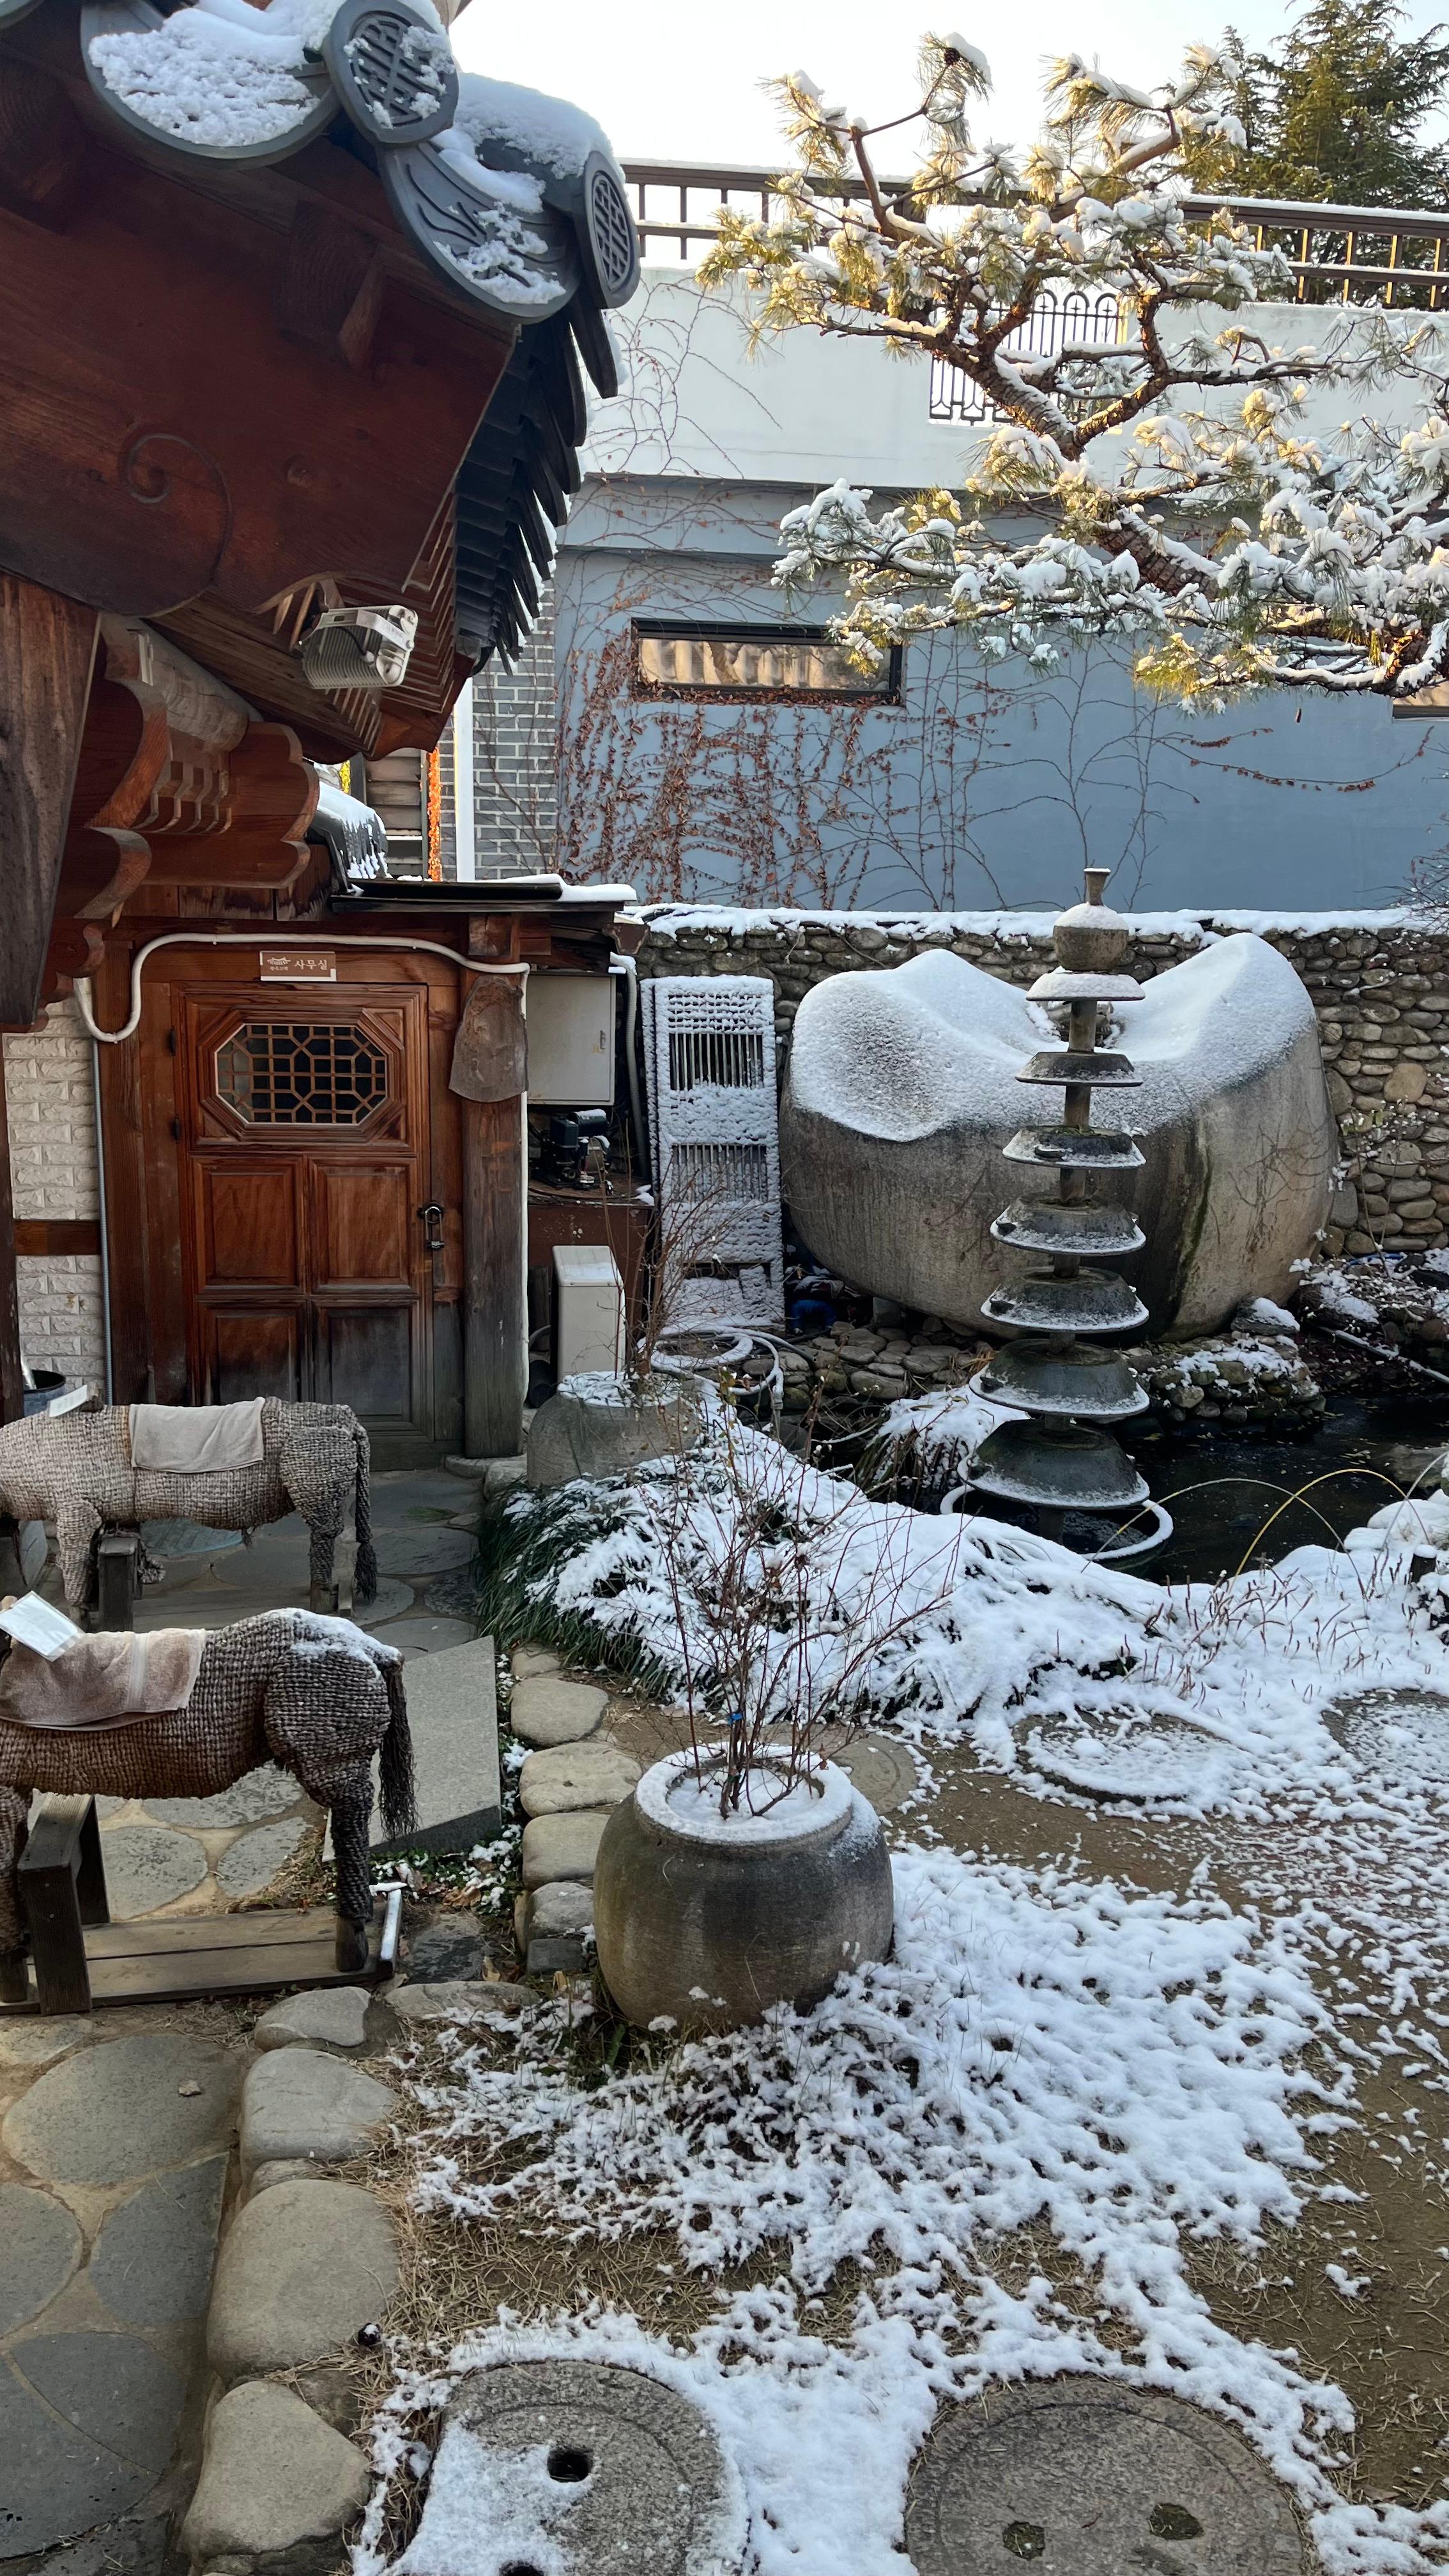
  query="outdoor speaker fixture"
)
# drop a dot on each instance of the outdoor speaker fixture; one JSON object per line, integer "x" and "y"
{"x": 360, "y": 648}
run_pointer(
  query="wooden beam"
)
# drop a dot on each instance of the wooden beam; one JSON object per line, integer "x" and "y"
{"x": 495, "y": 1300}
{"x": 330, "y": 288}
{"x": 47, "y": 645}
{"x": 40, "y": 1238}
{"x": 42, "y": 147}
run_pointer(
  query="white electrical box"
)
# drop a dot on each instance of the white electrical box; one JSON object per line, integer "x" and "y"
{"x": 570, "y": 1024}
{"x": 588, "y": 1310}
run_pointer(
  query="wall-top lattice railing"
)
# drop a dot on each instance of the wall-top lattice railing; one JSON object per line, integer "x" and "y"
{"x": 1338, "y": 254}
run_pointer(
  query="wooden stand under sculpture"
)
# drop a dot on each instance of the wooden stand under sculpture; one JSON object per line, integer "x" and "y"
{"x": 1061, "y": 1463}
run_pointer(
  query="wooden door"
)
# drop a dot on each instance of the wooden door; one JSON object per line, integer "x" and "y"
{"x": 305, "y": 1154}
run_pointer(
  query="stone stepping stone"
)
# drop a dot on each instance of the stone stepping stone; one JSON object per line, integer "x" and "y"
{"x": 414, "y": 1552}
{"x": 557, "y": 1924}
{"x": 296, "y": 2102}
{"x": 1401, "y": 1734}
{"x": 563, "y": 1846}
{"x": 1091, "y": 2479}
{"x": 315, "y": 2482}
{"x": 569, "y": 1776}
{"x": 117, "y": 2110}
{"x": 594, "y": 2469}
{"x": 249, "y": 1865}
{"x": 444, "y": 1952}
{"x": 187, "y": 1538}
{"x": 398, "y": 1496}
{"x": 265, "y": 1792}
{"x": 149, "y": 1866}
{"x": 41, "y": 2247}
{"x": 547, "y": 1710}
{"x": 331, "y": 2016}
{"x": 531, "y": 1662}
{"x": 152, "y": 2263}
{"x": 426, "y": 1636}
{"x": 304, "y": 2266}
{"x": 880, "y": 1769}
{"x": 38, "y": 2042}
{"x": 459, "y": 1999}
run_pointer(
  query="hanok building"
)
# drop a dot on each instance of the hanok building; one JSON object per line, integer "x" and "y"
{"x": 294, "y": 327}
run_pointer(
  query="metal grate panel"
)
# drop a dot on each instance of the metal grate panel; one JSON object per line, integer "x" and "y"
{"x": 714, "y": 1127}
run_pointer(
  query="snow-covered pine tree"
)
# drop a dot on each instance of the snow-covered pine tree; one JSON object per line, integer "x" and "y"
{"x": 1154, "y": 480}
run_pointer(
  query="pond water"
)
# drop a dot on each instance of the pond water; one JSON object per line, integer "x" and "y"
{"x": 1224, "y": 1488}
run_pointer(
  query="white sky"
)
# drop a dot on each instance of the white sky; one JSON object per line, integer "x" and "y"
{"x": 670, "y": 80}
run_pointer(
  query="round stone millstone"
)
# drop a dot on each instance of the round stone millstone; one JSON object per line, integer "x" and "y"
{"x": 1083, "y": 2478}
{"x": 1401, "y": 1734}
{"x": 580, "y": 2467}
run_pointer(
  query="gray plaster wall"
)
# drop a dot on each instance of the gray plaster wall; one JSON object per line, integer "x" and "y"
{"x": 987, "y": 785}
{"x": 1379, "y": 984}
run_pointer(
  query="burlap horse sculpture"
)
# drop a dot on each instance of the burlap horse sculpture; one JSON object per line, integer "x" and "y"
{"x": 313, "y": 1694}
{"x": 75, "y": 1469}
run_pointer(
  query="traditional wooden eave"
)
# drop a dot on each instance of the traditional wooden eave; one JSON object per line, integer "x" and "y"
{"x": 237, "y": 383}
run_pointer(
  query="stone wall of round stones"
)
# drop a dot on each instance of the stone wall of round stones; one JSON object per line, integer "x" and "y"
{"x": 1381, "y": 991}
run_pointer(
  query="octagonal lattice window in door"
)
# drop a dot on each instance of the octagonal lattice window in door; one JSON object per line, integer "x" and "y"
{"x": 301, "y": 1073}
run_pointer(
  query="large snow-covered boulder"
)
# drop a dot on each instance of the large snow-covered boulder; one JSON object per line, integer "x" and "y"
{"x": 902, "y": 1090}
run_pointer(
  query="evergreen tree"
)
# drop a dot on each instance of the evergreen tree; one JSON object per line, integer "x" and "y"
{"x": 1335, "y": 112}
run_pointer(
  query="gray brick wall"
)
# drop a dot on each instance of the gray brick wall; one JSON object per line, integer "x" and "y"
{"x": 515, "y": 755}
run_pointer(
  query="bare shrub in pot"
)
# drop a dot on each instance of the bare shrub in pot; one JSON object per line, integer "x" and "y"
{"x": 746, "y": 1870}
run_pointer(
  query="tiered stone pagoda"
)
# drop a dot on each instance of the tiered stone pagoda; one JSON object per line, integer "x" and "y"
{"x": 1061, "y": 1462}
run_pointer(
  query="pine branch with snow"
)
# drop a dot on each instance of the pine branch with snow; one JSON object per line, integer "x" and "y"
{"x": 1172, "y": 492}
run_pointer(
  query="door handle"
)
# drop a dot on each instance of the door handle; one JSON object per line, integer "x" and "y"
{"x": 432, "y": 1220}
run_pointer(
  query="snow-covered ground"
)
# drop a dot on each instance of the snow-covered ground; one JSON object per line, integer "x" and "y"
{"x": 1073, "y": 2104}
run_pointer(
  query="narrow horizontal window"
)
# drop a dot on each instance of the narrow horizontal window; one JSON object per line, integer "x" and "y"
{"x": 754, "y": 661}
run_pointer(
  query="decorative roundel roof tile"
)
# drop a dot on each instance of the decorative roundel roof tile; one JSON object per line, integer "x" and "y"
{"x": 523, "y": 264}
{"x": 394, "y": 74}
{"x": 191, "y": 82}
{"x": 607, "y": 233}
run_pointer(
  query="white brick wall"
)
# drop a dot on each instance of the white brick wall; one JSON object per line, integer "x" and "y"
{"x": 50, "y": 1096}
{"x": 54, "y": 1172}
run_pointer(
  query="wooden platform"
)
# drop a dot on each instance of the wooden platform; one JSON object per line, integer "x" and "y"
{"x": 218, "y": 1954}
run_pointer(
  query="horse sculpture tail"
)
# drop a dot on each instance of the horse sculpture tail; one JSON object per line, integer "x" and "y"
{"x": 395, "y": 1762}
{"x": 365, "y": 1578}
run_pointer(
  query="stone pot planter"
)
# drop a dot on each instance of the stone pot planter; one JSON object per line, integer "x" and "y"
{"x": 598, "y": 1425}
{"x": 708, "y": 1921}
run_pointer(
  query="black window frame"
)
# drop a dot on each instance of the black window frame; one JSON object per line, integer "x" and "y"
{"x": 887, "y": 691}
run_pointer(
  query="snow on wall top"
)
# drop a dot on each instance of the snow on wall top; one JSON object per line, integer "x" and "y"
{"x": 677, "y": 920}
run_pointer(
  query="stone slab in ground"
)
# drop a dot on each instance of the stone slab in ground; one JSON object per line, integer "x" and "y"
{"x": 117, "y": 2396}
{"x": 546, "y": 1710}
{"x": 315, "y": 2482}
{"x": 563, "y": 1846}
{"x": 331, "y": 2016}
{"x": 1402, "y": 1734}
{"x": 59, "y": 2481}
{"x": 149, "y": 1866}
{"x": 305, "y": 2265}
{"x": 413, "y": 1553}
{"x": 1091, "y": 2479}
{"x": 453, "y": 1714}
{"x": 40, "y": 2246}
{"x": 881, "y": 1770}
{"x": 250, "y": 1864}
{"x": 530, "y": 1662}
{"x": 594, "y": 2470}
{"x": 414, "y": 1638}
{"x": 264, "y": 1792}
{"x": 565, "y": 1776}
{"x": 459, "y": 1998}
{"x": 117, "y": 2110}
{"x": 152, "y": 2262}
{"x": 558, "y": 1920}
{"x": 187, "y": 1538}
{"x": 449, "y": 1949}
{"x": 298, "y": 2102}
